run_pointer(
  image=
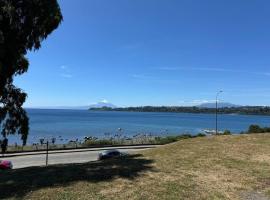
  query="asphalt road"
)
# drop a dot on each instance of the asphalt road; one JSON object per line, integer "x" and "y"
{"x": 63, "y": 157}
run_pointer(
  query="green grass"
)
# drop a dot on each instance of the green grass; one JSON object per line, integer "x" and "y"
{"x": 216, "y": 167}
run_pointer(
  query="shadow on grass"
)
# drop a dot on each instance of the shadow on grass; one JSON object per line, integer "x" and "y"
{"x": 18, "y": 182}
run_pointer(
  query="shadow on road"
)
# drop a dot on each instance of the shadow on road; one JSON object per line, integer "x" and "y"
{"x": 17, "y": 183}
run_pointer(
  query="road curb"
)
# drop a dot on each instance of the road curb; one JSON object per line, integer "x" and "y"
{"x": 78, "y": 151}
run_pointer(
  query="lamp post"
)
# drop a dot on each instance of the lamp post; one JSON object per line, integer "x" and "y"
{"x": 217, "y": 110}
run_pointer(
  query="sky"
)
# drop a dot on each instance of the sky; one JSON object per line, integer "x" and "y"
{"x": 153, "y": 52}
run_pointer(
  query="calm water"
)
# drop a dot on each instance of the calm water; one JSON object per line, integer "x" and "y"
{"x": 72, "y": 124}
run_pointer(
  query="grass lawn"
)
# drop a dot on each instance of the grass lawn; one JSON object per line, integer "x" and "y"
{"x": 217, "y": 167}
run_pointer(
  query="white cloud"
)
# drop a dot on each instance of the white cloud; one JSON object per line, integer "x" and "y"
{"x": 153, "y": 79}
{"x": 63, "y": 67}
{"x": 133, "y": 45}
{"x": 65, "y": 72}
{"x": 196, "y": 102}
{"x": 104, "y": 101}
{"x": 266, "y": 74}
{"x": 142, "y": 76}
{"x": 66, "y": 75}
{"x": 212, "y": 69}
{"x": 202, "y": 101}
{"x": 196, "y": 69}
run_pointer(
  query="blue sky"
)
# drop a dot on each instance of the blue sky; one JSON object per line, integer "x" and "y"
{"x": 153, "y": 52}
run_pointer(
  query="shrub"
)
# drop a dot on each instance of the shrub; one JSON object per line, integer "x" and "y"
{"x": 89, "y": 143}
{"x": 255, "y": 129}
{"x": 166, "y": 140}
{"x": 266, "y": 129}
{"x": 200, "y": 135}
{"x": 184, "y": 136}
{"x": 227, "y": 132}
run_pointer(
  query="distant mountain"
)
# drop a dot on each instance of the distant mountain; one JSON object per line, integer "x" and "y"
{"x": 220, "y": 105}
{"x": 102, "y": 104}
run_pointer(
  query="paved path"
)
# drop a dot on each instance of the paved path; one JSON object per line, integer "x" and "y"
{"x": 61, "y": 157}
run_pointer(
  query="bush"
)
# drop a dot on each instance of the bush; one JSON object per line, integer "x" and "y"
{"x": 227, "y": 132}
{"x": 255, "y": 129}
{"x": 200, "y": 135}
{"x": 166, "y": 140}
{"x": 89, "y": 143}
{"x": 266, "y": 129}
{"x": 184, "y": 136}
{"x": 170, "y": 139}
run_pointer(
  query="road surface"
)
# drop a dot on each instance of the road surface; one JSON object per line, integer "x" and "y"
{"x": 63, "y": 157}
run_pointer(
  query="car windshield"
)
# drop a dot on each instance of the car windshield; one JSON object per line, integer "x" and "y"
{"x": 111, "y": 151}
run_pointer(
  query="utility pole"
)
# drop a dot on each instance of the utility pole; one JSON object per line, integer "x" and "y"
{"x": 217, "y": 110}
{"x": 47, "y": 152}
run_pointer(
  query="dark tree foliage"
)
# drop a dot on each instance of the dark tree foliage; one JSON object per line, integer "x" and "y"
{"x": 24, "y": 24}
{"x": 254, "y": 128}
{"x": 4, "y": 145}
{"x": 248, "y": 110}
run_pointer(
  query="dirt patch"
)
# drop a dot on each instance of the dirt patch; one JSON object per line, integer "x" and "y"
{"x": 262, "y": 158}
{"x": 253, "y": 195}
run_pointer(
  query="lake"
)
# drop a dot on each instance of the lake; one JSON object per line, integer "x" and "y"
{"x": 72, "y": 124}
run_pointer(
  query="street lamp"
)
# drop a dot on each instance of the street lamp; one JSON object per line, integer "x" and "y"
{"x": 217, "y": 109}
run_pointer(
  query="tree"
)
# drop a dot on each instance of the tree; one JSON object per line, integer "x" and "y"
{"x": 254, "y": 128}
{"x": 4, "y": 145}
{"x": 24, "y": 24}
{"x": 41, "y": 140}
{"x": 53, "y": 140}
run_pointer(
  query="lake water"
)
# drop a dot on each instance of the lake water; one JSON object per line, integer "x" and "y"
{"x": 72, "y": 124}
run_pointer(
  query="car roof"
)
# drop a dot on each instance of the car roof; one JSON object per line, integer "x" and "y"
{"x": 111, "y": 150}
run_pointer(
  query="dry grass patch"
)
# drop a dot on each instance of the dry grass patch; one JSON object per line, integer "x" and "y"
{"x": 218, "y": 167}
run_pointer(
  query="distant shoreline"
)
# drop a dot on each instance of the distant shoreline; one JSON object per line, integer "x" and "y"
{"x": 243, "y": 110}
{"x": 258, "y": 110}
